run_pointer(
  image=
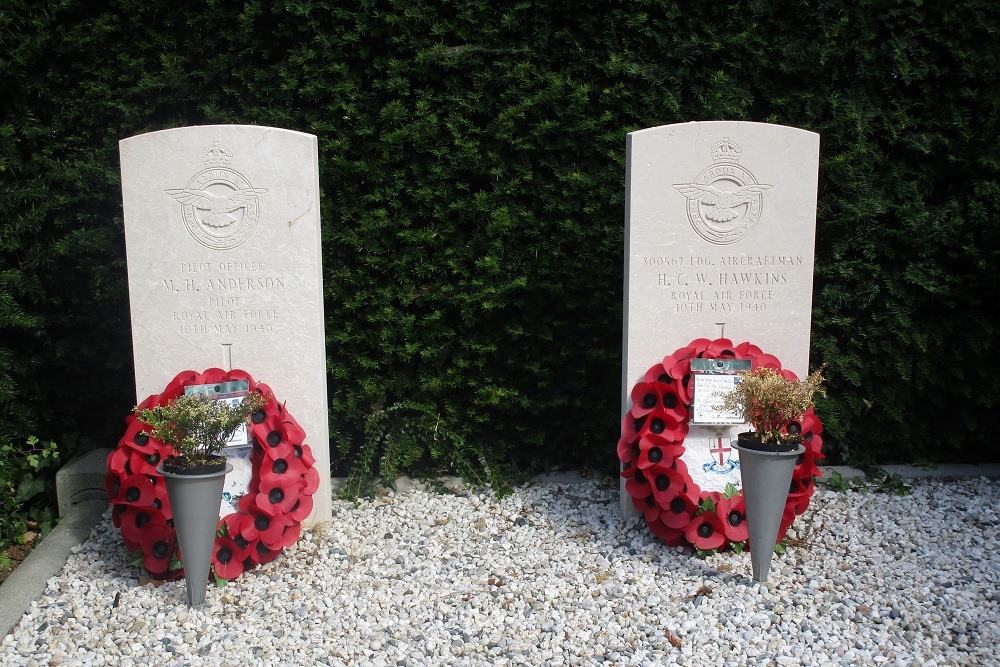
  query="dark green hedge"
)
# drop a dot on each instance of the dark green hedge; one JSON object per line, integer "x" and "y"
{"x": 472, "y": 168}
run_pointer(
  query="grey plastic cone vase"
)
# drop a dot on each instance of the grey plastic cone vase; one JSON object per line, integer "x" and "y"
{"x": 766, "y": 477}
{"x": 194, "y": 501}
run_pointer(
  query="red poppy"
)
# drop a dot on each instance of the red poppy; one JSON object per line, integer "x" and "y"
{"x": 628, "y": 449}
{"x": 272, "y": 436}
{"x": 118, "y": 462}
{"x": 304, "y": 452}
{"x": 650, "y": 510}
{"x": 264, "y": 554}
{"x": 657, "y": 373}
{"x": 145, "y": 463}
{"x": 672, "y": 536}
{"x": 290, "y": 467}
{"x": 657, "y": 450}
{"x": 765, "y": 361}
{"x": 135, "y": 490}
{"x": 706, "y": 531}
{"x": 277, "y": 494}
{"x": 112, "y": 484}
{"x": 309, "y": 483}
{"x": 680, "y": 511}
{"x": 134, "y": 518}
{"x": 681, "y": 373}
{"x": 636, "y": 482}
{"x": 667, "y": 484}
{"x": 734, "y": 514}
{"x": 256, "y": 524}
{"x": 227, "y": 558}
{"x": 721, "y": 348}
{"x": 302, "y": 508}
{"x": 136, "y": 436}
{"x": 747, "y": 350}
{"x": 287, "y": 537}
{"x": 157, "y": 542}
{"x": 117, "y": 512}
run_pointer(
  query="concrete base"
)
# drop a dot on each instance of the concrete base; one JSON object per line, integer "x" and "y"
{"x": 27, "y": 582}
{"x": 82, "y": 479}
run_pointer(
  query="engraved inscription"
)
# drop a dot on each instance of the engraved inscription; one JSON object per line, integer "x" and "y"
{"x": 724, "y": 201}
{"x": 219, "y": 206}
{"x": 724, "y": 284}
{"x": 223, "y": 298}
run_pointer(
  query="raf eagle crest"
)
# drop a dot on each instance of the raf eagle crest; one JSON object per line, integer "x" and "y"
{"x": 724, "y": 201}
{"x": 219, "y": 206}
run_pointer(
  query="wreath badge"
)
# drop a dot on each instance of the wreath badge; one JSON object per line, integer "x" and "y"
{"x": 651, "y": 451}
{"x": 268, "y": 517}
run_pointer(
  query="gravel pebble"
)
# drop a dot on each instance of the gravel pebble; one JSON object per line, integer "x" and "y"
{"x": 552, "y": 575}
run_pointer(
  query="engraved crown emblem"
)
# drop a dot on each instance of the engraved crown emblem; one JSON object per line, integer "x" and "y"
{"x": 218, "y": 156}
{"x": 726, "y": 151}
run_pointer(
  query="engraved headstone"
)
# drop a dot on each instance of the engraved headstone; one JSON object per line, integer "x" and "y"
{"x": 719, "y": 243}
{"x": 222, "y": 231}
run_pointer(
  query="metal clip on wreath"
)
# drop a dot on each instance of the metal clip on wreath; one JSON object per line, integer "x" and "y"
{"x": 651, "y": 450}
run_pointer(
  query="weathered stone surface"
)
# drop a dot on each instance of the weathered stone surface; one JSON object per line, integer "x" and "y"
{"x": 222, "y": 231}
{"x": 720, "y": 235}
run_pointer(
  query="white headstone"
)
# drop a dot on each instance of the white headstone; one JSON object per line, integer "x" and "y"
{"x": 719, "y": 243}
{"x": 222, "y": 230}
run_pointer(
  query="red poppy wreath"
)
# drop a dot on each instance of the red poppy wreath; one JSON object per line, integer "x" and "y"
{"x": 268, "y": 516}
{"x": 652, "y": 445}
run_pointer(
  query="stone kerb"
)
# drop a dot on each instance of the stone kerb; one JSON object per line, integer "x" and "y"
{"x": 720, "y": 232}
{"x": 222, "y": 228}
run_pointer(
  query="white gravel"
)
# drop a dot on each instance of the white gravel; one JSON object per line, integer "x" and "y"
{"x": 551, "y": 576}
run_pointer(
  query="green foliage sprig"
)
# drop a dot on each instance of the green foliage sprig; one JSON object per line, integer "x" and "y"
{"x": 413, "y": 436}
{"x": 25, "y": 475}
{"x": 767, "y": 401}
{"x": 198, "y": 426}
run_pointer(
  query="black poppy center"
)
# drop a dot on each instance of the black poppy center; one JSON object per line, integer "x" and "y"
{"x": 657, "y": 426}
{"x": 649, "y": 400}
{"x": 638, "y": 423}
{"x": 705, "y": 530}
{"x": 141, "y": 439}
{"x": 662, "y": 482}
{"x": 115, "y": 486}
{"x": 635, "y": 450}
{"x": 160, "y": 549}
{"x": 735, "y": 517}
{"x": 132, "y": 494}
{"x": 152, "y": 459}
{"x": 669, "y": 401}
{"x": 793, "y": 487}
{"x": 276, "y": 496}
{"x": 640, "y": 477}
{"x": 262, "y": 522}
{"x": 298, "y": 451}
{"x": 655, "y": 455}
{"x": 677, "y": 506}
{"x": 141, "y": 519}
{"x": 225, "y": 555}
{"x": 262, "y": 549}
{"x": 241, "y": 541}
{"x": 795, "y": 428}
{"x": 273, "y": 438}
{"x": 650, "y": 501}
{"x": 279, "y": 466}
{"x": 258, "y": 417}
